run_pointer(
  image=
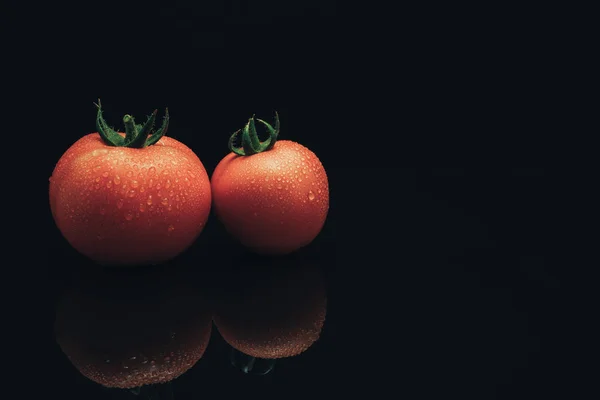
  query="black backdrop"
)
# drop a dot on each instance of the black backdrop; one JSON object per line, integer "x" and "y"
{"x": 436, "y": 275}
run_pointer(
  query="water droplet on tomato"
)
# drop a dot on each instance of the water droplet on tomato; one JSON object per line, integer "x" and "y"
{"x": 311, "y": 195}
{"x": 149, "y": 201}
{"x": 279, "y": 187}
{"x": 142, "y": 207}
{"x": 299, "y": 179}
{"x": 164, "y": 201}
{"x": 109, "y": 184}
{"x": 129, "y": 174}
{"x": 150, "y": 182}
{"x": 256, "y": 214}
{"x": 119, "y": 203}
{"x": 117, "y": 180}
{"x": 152, "y": 171}
{"x": 97, "y": 179}
{"x": 128, "y": 216}
{"x": 168, "y": 184}
{"x": 134, "y": 183}
{"x": 131, "y": 193}
{"x": 105, "y": 174}
{"x": 171, "y": 228}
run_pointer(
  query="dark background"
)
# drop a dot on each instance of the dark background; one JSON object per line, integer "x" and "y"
{"x": 425, "y": 121}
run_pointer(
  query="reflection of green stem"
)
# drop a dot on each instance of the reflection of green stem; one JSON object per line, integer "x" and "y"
{"x": 249, "y": 365}
{"x": 246, "y": 363}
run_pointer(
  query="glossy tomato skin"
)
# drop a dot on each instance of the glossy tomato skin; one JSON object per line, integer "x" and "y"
{"x": 273, "y": 202}
{"x": 130, "y": 206}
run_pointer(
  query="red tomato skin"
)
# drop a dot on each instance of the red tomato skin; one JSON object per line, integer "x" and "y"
{"x": 129, "y": 206}
{"x": 274, "y": 202}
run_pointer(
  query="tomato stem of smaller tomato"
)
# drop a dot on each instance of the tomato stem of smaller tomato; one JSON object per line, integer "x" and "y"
{"x": 136, "y": 136}
{"x": 251, "y": 144}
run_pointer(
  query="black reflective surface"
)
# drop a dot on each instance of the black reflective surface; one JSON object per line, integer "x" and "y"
{"x": 441, "y": 287}
{"x": 430, "y": 278}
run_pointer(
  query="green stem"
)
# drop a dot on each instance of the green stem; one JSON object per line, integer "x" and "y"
{"x": 251, "y": 144}
{"x": 136, "y": 136}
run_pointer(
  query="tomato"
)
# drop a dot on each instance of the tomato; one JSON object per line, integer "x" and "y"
{"x": 273, "y": 196}
{"x": 132, "y": 198}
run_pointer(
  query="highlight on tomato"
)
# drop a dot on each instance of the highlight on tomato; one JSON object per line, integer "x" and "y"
{"x": 130, "y": 331}
{"x": 132, "y": 198}
{"x": 271, "y": 312}
{"x": 272, "y": 196}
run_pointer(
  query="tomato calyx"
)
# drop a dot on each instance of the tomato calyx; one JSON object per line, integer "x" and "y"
{"x": 251, "y": 144}
{"x": 136, "y": 135}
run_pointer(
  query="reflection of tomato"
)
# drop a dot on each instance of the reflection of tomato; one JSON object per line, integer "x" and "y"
{"x": 273, "y": 314}
{"x": 130, "y": 202}
{"x": 127, "y": 332}
{"x": 272, "y": 196}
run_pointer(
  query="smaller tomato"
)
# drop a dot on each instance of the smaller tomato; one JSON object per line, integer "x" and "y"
{"x": 273, "y": 196}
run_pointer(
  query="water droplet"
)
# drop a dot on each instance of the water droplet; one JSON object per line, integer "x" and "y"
{"x": 256, "y": 214}
{"x": 97, "y": 179}
{"x": 311, "y": 195}
{"x": 152, "y": 362}
{"x": 279, "y": 187}
{"x": 117, "y": 180}
{"x": 150, "y": 182}
{"x": 133, "y": 358}
{"x": 167, "y": 358}
{"x": 131, "y": 193}
{"x": 168, "y": 184}
{"x": 125, "y": 366}
{"x": 279, "y": 179}
{"x": 128, "y": 216}
{"x": 152, "y": 171}
{"x": 129, "y": 174}
{"x": 105, "y": 174}
{"x": 149, "y": 201}
{"x": 142, "y": 207}
{"x": 171, "y": 228}
{"x": 134, "y": 183}
{"x": 119, "y": 203}
{"x": 109, "y": 184}
{"x": 107, "y": 361}
{"x": 164, "y": 201}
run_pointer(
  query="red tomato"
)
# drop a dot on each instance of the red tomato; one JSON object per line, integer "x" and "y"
{"x": 130, "y": 199}
{"x": 273, "y": 196}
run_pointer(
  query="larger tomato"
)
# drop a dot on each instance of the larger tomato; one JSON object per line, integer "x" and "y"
{"x": 130, "y": 198}
{"x": 273, "y": 196}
